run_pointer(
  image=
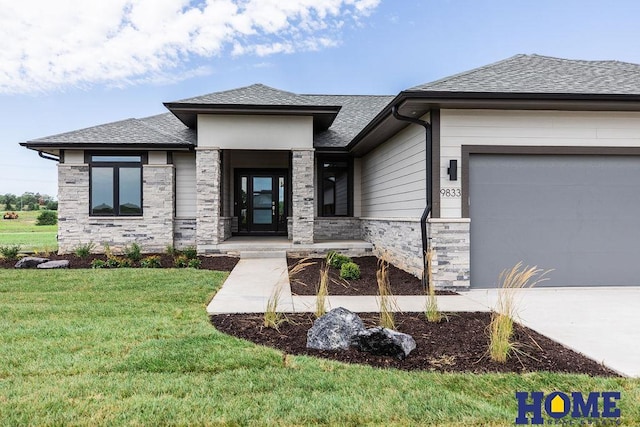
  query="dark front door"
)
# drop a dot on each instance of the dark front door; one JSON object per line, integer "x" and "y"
{"x": 261, "y": 202}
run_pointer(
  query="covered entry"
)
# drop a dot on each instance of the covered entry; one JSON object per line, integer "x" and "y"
{"x": 574, "y": 213}
{"x": 261, "y": 201}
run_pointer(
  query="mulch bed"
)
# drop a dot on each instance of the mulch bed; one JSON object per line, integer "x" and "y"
{"x": 219, "y": 263}
{"x": 402, "y": 283}
{"x": 458, "y": 344}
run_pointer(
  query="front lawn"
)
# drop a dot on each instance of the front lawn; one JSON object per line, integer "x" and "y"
{"x": 25, "y": 233}
{"x": 135, "y": 347}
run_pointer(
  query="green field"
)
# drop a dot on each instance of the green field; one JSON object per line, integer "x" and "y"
{"x": 24, "y": 232}
{"x": 134, "y": 347}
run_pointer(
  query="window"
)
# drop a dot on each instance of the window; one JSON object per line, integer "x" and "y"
{"x": 115, "y": 185}
{"x": 335, "y": 185}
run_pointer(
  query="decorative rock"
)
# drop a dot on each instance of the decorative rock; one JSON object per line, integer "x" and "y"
{"x": 30, "y": 262}
{"x": 384, "y": 342}
{"x": 334, "y": 330}
{"x": 54, "y": 264}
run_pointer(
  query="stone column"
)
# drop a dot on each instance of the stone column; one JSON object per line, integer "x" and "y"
{"x": 73, "y": 206}
{"x": 303, "y": 194}
{"x": 208, "y": 197}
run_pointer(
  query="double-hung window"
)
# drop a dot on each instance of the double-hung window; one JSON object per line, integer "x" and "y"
{"x": 115, "y": 184}
{"x": 335, "y": 186}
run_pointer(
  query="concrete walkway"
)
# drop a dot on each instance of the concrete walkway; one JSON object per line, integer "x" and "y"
{"x": 601, "y": 323}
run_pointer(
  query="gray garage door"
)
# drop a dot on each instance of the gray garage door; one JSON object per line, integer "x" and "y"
{"x": 575, "y": 214}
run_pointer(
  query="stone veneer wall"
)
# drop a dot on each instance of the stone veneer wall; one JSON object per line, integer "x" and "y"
{"x": 450, "y": 240}
{"x": 207, "y": 198}
{"x": 225, "y": 227}
{"x": 153, "y": 231}
{"x": 302, "y": 196}
{"x": 337, "y": 228}
{"x": 400, "y": 240}
{"x": 184, "y": 232}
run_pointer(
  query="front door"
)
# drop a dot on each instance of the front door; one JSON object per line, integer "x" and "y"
{"x": 260, "y": 203}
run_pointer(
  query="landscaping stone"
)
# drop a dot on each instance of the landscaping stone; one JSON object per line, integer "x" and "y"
{"x": 384, "y": 342}
{"x": 334, "y": 330}
{"x": 54, "y": 264}
{"x": 31, "y": 262}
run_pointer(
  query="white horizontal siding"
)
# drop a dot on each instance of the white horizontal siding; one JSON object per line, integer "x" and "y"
{"x": 393, "y": 180}
{"x": 527, "y": 128}
{"x": 185, "y": 164}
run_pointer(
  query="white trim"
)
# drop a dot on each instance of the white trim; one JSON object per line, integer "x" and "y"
{"x": 390, "y": 219}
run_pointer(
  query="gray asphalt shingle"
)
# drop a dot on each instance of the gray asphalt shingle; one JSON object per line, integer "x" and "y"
{"x": 544, "y": 74}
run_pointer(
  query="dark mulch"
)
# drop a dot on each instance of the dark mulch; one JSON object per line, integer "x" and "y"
{"x": 402, "y": 283}
{"x": 458, "y": 344}
{"x": 219, "y": 263}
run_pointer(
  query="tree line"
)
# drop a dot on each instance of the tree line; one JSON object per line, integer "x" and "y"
{"x": 28, "y": 202}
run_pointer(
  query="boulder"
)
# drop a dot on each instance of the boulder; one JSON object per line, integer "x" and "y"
{"x": 30, "y": 262}
{"x": 54, "y": 264}
{"x": 334, "y": 330}
{"x": 384, "y": 342}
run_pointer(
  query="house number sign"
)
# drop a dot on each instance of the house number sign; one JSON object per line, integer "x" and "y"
{"x": 453, "y": 193}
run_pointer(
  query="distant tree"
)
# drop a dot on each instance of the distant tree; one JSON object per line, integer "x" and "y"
{"x": 9, "y": 201}
{"x": 51, "y": 205}
{"x": 28, "y": 199}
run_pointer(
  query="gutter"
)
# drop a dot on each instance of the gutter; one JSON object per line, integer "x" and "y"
{"x": 429, "y": 195}
{"x": 48, "y": 157}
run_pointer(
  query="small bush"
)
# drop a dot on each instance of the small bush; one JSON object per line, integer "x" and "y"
{"x": 181, "y": 261}
{"x": 98, "y": 263}
{"x": 322, "y": 291}
{"x": 388, "y": 304}
{"x": 113, "y": 262}
{"x": 336, "y": 260}
{"x": 194, "y": 263}
{"x": 273, "y": 318}
{"x": 152, "y": 261}
{"x": 83, "y": 251}
{"x": 190, "y": 252}
{"x": 125, "y": 262}
{"x": 10, "y": 252}
{"x": 171, "y": 250}
{"x": 47, "y": 218}
{"x": 350, "y": 271}
{"x": 133, "y": 252}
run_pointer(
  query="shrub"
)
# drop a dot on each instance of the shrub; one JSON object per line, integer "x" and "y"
{"x": 113, "y": 262}
{"x": 125, "y": 262}
{"x": 47, "y": 218}
{"x": 336, "y": 260}
{"x": 388, "y": 303}
{"x": 98, "y": 263}
{"x": 10, "y": 253}
{"x": 190, "y": 252}
{"x": 432, "y": 312}
{"x": 322, "y": 291}
{"x": 501, "y": 327}
{"x": 273, "y": 318}
{"x": 350, "y": 271}
{"x": 194, "y": 263}
{"x": 171, "y": 250}
{"x": 181, "y": 261}
{"x": 83, "y": 251}
{"x": 51, "y": 206}
{"x": 152, "y": 261}
{"x": 133, "y": 252}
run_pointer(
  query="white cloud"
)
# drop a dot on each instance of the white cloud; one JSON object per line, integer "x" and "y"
{"x": 48, "y": 45}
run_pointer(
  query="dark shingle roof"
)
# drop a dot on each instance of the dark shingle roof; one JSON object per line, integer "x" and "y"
{"x": 357, "y": 111}
{"x": 543, "y": 74}
{"x": 163, "y": 129}
{"x": 256, "y": 94}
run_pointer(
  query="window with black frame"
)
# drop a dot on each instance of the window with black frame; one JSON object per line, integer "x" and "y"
{"x": 116, "y": 185}
{"x": 335, "y": 187}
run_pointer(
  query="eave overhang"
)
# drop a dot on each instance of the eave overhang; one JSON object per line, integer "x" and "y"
{"x": 418, "y": 103}
{"x": 323, "y": 115}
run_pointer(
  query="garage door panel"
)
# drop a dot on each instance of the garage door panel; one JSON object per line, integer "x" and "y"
{"x": 575, "y": 214}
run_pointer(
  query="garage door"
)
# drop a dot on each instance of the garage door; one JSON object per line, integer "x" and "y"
{"x": 578, "y": 215}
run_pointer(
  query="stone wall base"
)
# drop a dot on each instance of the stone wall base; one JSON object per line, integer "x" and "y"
{"x": 184, "y": 232}
{"x": 337, "y": 228}
{"x": 450, "y": 241}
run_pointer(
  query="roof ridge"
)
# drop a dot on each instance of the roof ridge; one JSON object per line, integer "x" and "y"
{"x": 237, "y": 89}
{"x": 587, "y": 62}
{"x": 467, "y": 72}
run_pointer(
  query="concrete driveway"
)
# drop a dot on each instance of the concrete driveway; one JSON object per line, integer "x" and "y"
{"x": 601, "y": 323}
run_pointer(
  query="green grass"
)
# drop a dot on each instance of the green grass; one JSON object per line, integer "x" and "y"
{"x": 24, "y": 232}
{"x": 134, "y": 347}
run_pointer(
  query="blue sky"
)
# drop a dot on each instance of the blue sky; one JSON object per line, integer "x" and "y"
{"x": 67, "y": 65}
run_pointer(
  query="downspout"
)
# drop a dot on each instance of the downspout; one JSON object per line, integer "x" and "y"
{"x": 429, "y": 195}
{"x": 41, "y": 154}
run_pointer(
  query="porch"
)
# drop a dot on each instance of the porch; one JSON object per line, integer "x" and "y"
{"x": 261, "y": 246}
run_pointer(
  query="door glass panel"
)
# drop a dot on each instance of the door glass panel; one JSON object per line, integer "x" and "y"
{"x": 262, "y": 192}
{"x": 243, "y": 203}
{"x": 262, "y": 216}
{"x": 281, "y": 206}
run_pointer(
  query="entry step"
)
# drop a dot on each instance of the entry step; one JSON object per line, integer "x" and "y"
{"x": 262, "y": 254}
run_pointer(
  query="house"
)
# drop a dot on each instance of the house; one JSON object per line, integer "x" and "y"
{"x": 532, "y": 159}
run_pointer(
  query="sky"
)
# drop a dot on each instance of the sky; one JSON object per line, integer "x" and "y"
{"x": 70, "y": 64}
